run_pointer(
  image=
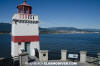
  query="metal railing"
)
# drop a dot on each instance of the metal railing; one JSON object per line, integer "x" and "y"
{"x": 22, "y": 16}
{"x": 54, "y": 55}
{"x": 8, "y": 62}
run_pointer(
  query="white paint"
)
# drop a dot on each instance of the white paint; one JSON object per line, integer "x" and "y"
{"x": 32, "y": 50}
{"x": 43, "y": 58}
{"x": 14, "y": 49}
{"x": 21, "y": 16}
{"x": 63, "y": 55}
{"x": 35, "y": 45}
{"x": 82, "y": 57}
{"x": 24, "y": 29}
{"x": 21, "y": 47}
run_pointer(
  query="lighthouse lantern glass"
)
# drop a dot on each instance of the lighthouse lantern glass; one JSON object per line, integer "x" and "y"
{"x": 24, "y": 8}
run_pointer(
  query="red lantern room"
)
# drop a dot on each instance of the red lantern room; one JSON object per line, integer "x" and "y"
{"x": 24, "y": 8}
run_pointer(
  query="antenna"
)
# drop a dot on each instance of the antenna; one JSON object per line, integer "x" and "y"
{"x": 24, "y": 0}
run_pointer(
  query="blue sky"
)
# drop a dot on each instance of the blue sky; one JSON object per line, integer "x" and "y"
{"x": 57, "y": 13}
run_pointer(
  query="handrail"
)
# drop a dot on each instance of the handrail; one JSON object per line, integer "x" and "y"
{"x": 22, "y": 16}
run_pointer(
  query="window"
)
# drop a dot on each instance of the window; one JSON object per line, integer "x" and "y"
{"x": 44, "y": 54}
{"x": 27, "y": 42}
{"x": 27, "y": 46}
{"x": 33, "y": 17}
{"x": 21, "y": 10}
{"x": 19, "y": 43}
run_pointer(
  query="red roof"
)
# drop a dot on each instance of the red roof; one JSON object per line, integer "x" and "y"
{"x": 24, "y": 4}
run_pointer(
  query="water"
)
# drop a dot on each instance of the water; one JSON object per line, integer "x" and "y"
{"x": 56, "y": 42}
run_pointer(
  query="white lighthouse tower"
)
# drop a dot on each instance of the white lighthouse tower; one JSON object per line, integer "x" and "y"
{"x": 25, "y": 31}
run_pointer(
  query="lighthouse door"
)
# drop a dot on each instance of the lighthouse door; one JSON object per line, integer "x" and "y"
{"x": 27, "y": 47}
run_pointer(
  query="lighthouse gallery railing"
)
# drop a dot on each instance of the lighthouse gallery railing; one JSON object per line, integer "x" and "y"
{"x": 22, "y": 16}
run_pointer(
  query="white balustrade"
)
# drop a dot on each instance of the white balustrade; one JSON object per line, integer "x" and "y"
{"x": 21, "y": 16}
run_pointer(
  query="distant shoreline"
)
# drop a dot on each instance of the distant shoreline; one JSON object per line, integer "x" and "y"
{"x": 69, "y": 33}
{"x": 66, "y": 32}
{"x": 43, "y": 32}
{"x": 4, "y": 33}
{"x": 59, "y": 32}
{"x": 52, "y": 30}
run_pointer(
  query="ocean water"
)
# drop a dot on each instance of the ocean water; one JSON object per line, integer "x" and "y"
{"x": 56, "y": 42}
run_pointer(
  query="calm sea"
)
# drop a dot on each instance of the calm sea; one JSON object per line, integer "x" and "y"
{"x": 56, "y": 42}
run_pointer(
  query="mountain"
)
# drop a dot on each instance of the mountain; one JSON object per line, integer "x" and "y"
{"x": 5, "y": 27}
{"x": 67, "y": 30}
{"x": 63, "y": 29}
{"x": 95, "y": 30}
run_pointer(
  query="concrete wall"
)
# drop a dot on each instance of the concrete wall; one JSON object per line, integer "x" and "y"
{"x": 33, "y": 46}
{"x": 83, "y": 57}
{"x": 98, "y": 59}
{"x": 25, "y": 29}
{"x": 23, "y": 59}
{"x": 14, "y": 49}
{"x": 43, "y": 55}
{"x": 63, "y": 55}
{"x": 17, "y": 49}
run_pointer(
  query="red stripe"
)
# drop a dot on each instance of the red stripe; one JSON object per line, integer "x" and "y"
{"x": 25, "y": 38}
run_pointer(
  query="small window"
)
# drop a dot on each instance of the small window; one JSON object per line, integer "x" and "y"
{"x": 33, "y": 17}
{"x": 44, "y": 54}
{"x": 27, "y": 42}
{"x": 19, "y": 43}
{"x": 27, "y": 46}
{"x": 21, "y": 10}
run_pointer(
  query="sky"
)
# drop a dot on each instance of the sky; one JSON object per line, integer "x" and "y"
{"x": 57, "y": 13}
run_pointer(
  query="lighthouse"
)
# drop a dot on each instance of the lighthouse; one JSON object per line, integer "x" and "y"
{"x": 25, "y": 31}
